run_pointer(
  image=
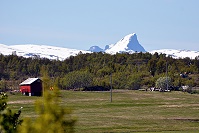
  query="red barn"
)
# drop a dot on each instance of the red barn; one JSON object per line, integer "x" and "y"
{"x": 31, "y": 87}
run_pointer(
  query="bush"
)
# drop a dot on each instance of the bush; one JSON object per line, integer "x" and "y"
{"x": 163, "y": 82}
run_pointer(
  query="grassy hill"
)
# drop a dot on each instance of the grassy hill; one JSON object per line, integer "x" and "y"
{"x": 130, "y": 111}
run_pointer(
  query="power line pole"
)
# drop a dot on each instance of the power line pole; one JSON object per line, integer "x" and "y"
{"x": 111, "y": 86}
{"x": 167, "y": 73}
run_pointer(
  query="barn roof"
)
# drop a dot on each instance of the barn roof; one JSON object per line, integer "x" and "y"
{"x": 28, "y": 81}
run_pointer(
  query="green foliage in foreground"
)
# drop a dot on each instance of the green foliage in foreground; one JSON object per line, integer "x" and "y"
{"x": 130, "y": 111}
{"x": 9, "y": 121}
{"x": 52, "y": 117}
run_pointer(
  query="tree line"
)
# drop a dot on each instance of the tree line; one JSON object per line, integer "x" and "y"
{"x": 129, "y": 71}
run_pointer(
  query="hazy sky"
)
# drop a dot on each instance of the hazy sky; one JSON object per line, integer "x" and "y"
{"x": 80, "y": 24}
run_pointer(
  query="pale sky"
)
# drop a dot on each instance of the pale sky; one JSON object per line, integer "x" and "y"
{"x": 80, "y": 24}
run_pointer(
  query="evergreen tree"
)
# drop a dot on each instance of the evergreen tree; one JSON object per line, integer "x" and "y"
{"x": 9, "y": 121}
{"x": 52, "y": 117}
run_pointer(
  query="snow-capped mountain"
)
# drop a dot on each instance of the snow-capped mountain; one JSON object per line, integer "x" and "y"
{"x": 42, "y": 51}
{"x": 177, "y": 53}
{"x": 127, "y": 44}
{"x": 95, "y": 49}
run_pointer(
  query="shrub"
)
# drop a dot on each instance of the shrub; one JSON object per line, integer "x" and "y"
{"x": 163, "y": 82}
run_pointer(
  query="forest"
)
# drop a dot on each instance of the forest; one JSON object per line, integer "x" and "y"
{"x": 127, "y": 71}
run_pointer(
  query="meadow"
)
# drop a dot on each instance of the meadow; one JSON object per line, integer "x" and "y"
{"x": 129, "y": 111}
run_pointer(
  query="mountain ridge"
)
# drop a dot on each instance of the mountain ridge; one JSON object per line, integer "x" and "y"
{"x": 42, "y": 51}
{"x": 128, "y": 44}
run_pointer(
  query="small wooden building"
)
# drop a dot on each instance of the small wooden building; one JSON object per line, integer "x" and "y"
{"x": 31, "y": 87}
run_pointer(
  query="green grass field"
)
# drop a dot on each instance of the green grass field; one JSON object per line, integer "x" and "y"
{"x": 130, "y": 111}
